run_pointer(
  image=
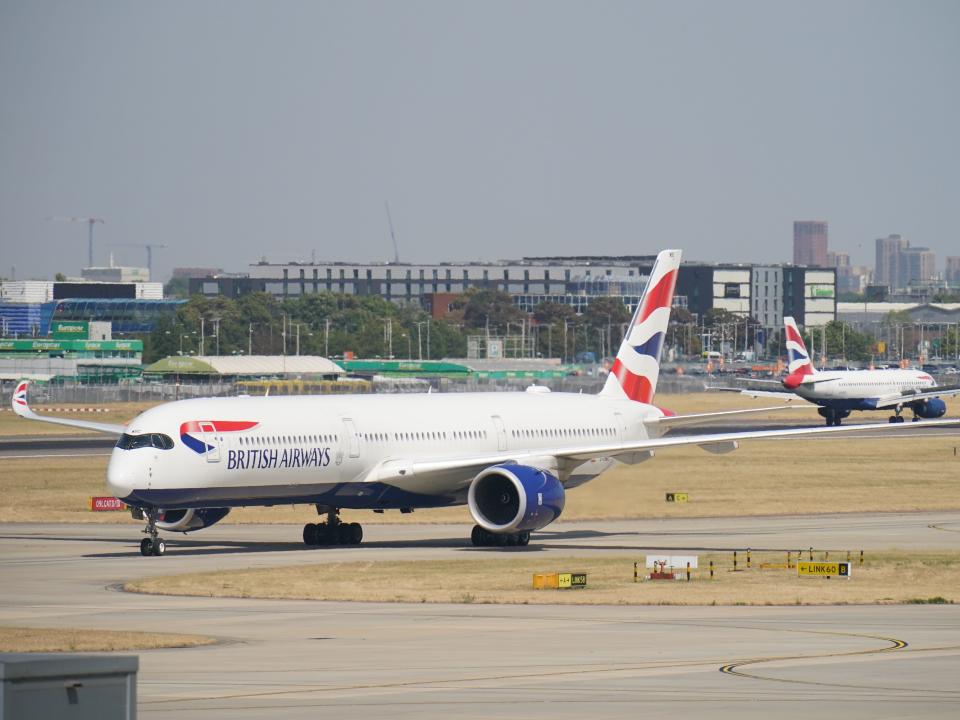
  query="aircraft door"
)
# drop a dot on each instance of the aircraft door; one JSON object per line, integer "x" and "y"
{"x": 621, "y": 427}
{"x": 350, "y": 442}
{"x": 208, "y": 435}
{"x": 501, "y": 432}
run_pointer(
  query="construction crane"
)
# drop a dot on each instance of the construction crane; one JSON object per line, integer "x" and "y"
{"x": 90, "y": 221}
{"x": 149, "y": 247}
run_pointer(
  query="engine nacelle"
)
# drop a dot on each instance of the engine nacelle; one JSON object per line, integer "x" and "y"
{"x": 515, "y": 498}
{"x": 931, "y": 408}
{"x": 188, "y": 520}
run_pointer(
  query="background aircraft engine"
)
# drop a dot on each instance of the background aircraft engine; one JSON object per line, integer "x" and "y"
{"x": 515, "y": 498}
{"x": 189, "y": 520}
{"x": 932, "y": 408}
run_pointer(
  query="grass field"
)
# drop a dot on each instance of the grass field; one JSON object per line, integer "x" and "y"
{"x": 891, "y": 577}
{"x": 766, "y": 477}
{"x": 20, "y": 639}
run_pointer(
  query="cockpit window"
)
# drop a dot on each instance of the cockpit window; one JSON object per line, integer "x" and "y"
{"x": 154, "y": 440}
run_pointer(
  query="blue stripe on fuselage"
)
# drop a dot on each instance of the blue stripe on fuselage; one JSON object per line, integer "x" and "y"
{"x": 849, "y": 404}
{"x": 354, "y": 495}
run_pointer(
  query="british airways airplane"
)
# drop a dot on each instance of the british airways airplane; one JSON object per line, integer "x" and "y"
{"x": 839, "y": 392}
{"x": 510, "y": 457}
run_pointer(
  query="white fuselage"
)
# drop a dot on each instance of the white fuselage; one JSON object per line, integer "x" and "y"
{"x": 843, "y": 385}
{"x": 333, "y": 449}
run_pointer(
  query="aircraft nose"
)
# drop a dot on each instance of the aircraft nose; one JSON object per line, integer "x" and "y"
{"x": 120, "y": 476}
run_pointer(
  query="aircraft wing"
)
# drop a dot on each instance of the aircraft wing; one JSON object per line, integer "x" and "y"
{"x": 905, "y": 398}
{"x": 782, "y": 394}
{"x": 695, "y": 418}
{"x": 716, "y": 443}
{"x": 20, "y": 406}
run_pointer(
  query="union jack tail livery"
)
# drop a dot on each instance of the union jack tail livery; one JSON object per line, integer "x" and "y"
{"x": 799, "y": 360}
{"x": 20, "y": 395}
{"x": 637, "y": 367}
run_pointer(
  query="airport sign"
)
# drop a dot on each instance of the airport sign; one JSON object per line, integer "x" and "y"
{"x": 823, "y": 569}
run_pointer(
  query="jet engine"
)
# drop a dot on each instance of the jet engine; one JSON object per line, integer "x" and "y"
{"x": 188, "y": 520}
{"x": 931, "y": 408}
{"x": 515, "y": 498}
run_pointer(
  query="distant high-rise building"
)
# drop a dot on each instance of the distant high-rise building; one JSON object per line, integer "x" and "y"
{"x": 952, "y": 273}
{"x": 850, "y": 278}
{"x": 887, "y": 266}
{"x": 917, "y": 265}
{"x": 838, "y": 259}
{"x": 810, "y": 243}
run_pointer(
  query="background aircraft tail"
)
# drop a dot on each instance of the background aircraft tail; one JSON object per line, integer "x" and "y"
{"x": 799, "y": 360}
{"x": 637, "y": 367}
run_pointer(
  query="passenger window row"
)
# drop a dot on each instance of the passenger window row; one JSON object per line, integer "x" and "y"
{"x": 260, "y": 440}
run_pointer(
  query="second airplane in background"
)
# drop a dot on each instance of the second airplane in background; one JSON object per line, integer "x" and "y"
{"x": 839, "y": 392}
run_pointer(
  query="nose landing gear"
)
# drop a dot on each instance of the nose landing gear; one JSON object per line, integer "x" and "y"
{"x": 153, "y": 545}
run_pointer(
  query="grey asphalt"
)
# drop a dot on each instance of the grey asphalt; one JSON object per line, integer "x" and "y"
{"x": 293, "y": 659}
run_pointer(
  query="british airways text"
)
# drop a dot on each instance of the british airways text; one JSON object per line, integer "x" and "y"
{"x": 272, "y": 458}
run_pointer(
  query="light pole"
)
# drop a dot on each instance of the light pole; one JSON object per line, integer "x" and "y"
{"x": 420, "y": 339}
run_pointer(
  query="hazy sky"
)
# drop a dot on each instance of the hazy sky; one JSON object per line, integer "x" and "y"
{"x": 232, "y": 130}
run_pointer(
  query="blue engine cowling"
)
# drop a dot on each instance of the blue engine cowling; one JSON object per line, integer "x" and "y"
{"x": 515, "y": 498}
{"x": 931, "y": 408}
{"x": 188, "y": 520}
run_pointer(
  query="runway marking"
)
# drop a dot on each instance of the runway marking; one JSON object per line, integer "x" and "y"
{"x": 895, "y": 645}
{"x": 940, "y": 527}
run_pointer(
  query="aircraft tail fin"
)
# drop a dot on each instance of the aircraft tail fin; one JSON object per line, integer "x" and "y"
{"x": 799, "y": 365}
{"x": 635, "y": 371}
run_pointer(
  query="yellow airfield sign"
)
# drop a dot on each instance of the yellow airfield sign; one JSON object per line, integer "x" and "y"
{"x": 823, "y": 569}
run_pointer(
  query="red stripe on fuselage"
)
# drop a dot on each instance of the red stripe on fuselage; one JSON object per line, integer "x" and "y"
{"x": 658, "y": 296}
{"x": 635, "y": 386}
{"x": 218, "y": 425}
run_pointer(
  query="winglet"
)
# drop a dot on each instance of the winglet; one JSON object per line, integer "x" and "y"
{"x": 19, "y": 400}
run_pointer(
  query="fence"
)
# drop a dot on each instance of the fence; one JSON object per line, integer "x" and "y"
{"x": 151, "y": 392}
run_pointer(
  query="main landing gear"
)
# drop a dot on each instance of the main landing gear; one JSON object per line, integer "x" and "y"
{"x": 832, "y": 416}
{"x": 333, "y": 531}
{"x": 481, "y": 537}
{"x": 153, "y": 545}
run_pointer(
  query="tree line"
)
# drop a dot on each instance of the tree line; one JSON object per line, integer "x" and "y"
{"x": 332, "y": 325}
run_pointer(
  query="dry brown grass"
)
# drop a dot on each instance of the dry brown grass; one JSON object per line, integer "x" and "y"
{"x": 35, "y": 640}
{"x": 761, "y": 478}
{"x": 891, "y": 577}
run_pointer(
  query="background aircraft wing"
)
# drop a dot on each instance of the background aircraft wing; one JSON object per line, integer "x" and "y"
{"x": 695, "y": 418}
{"x": 905, "y": 398}
{"x": 716, "y": 443}
{"x": 20, "y": 406}
{"x": 783, "y": 394}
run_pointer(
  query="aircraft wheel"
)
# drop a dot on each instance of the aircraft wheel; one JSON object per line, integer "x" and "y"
{"x": 916, "y": 419}
{"x": 145, "y": 548}
{"x": 310, "y": 534}
{"x": 523, "y": 539}
{"x": 159, "y": 547}
{"x": 893, "y": 418}
{"x": 356, "y": 533}
{"x": 477, "y": 536}
{"x": 511, "y": 539}
{"x": 342, "y": 535}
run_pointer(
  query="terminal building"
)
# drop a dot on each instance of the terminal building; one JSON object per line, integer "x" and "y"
{"x": 765, "y": 292}
{"x": 29, "y": 307}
